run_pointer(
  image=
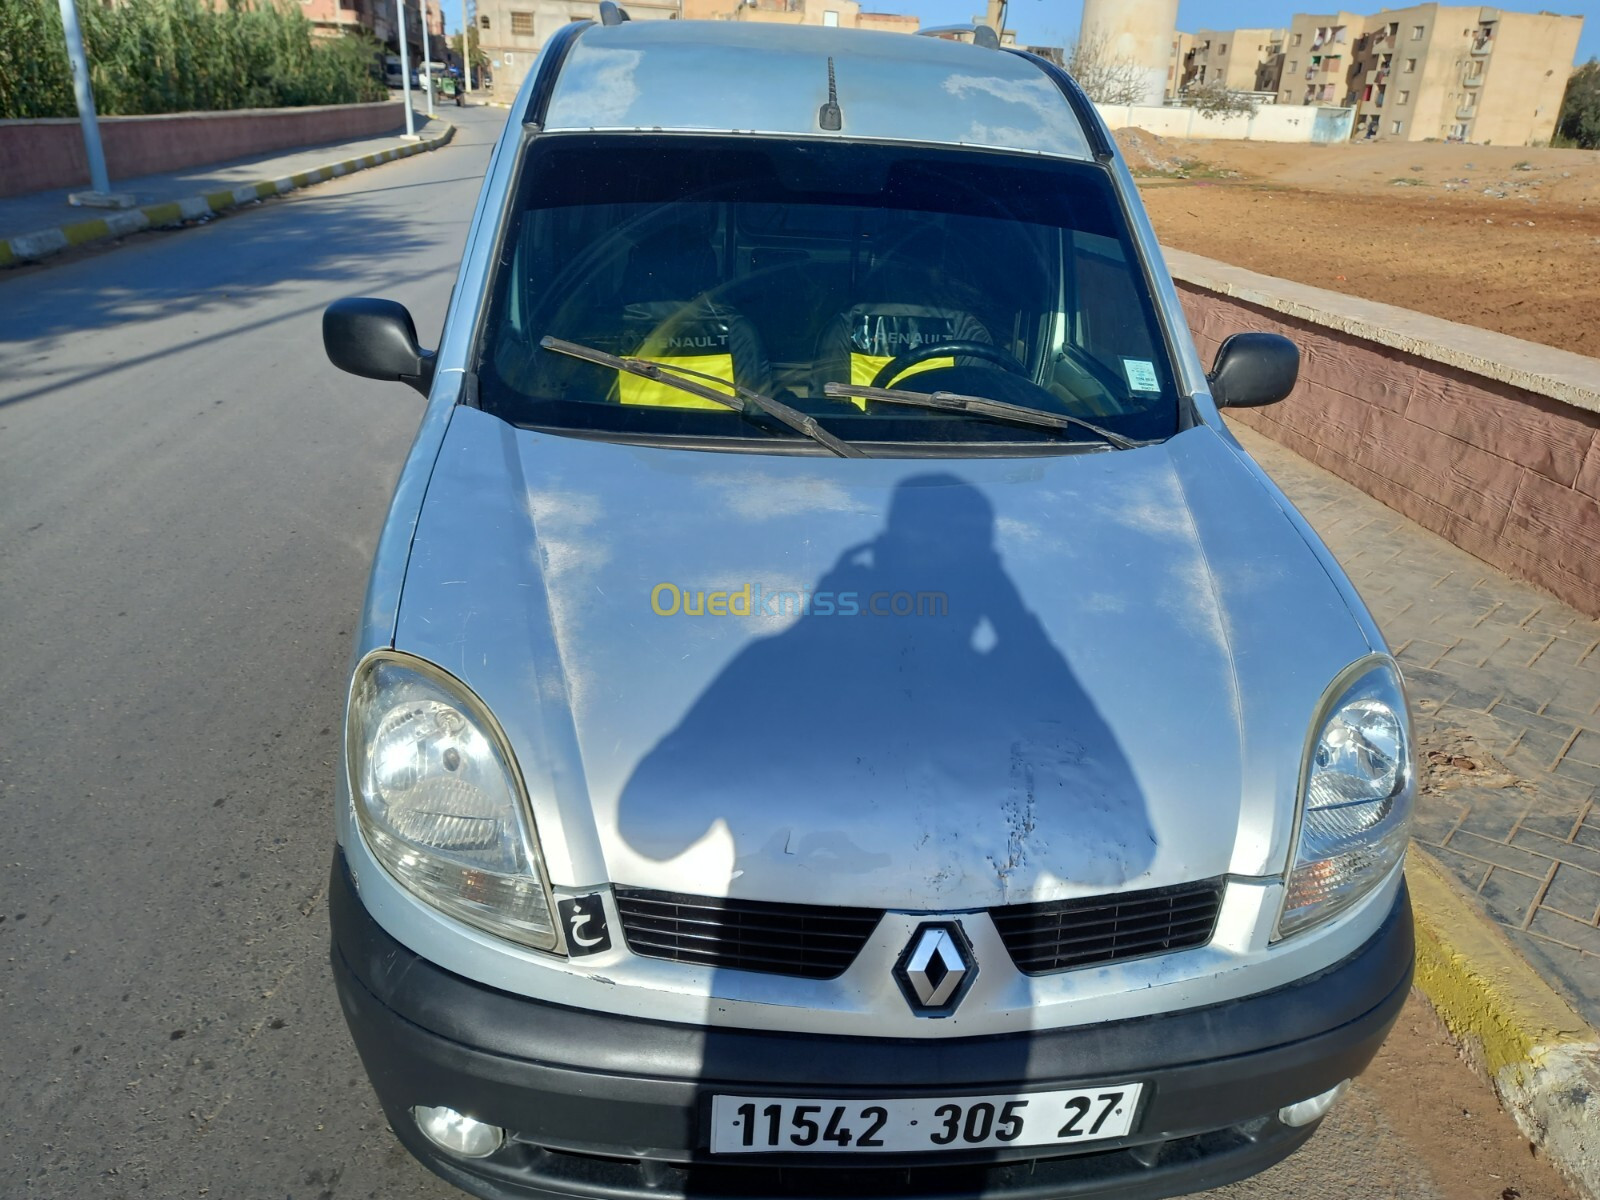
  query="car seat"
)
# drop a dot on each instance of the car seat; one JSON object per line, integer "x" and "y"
{"x": 669, "y": 317}
{"x": 901, "y": 308}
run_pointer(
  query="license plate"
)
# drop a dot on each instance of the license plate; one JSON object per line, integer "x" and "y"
{"x": 767, "y": 1124}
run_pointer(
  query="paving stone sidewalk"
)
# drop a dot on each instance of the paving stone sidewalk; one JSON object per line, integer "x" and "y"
{"x": 1504, "y": 683}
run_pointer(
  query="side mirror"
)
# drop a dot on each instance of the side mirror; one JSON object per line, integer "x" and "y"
{"x": 376, "y": 340}
{"x": 1253, "y": 369}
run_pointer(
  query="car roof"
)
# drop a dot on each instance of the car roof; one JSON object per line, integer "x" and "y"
{"x": 743, "y": 77}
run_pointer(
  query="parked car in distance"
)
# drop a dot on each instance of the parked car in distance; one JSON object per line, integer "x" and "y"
{"x": 835, "y": 710}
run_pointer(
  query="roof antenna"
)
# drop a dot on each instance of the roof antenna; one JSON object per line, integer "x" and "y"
{"x": 610, "y": 14}
{"x": 830, "y": 118}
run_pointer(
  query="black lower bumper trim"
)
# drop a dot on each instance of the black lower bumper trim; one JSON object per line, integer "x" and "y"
{"x": 602, "y": 1106}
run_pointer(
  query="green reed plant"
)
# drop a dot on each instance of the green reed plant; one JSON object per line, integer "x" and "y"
{"x": 153, "y": 56}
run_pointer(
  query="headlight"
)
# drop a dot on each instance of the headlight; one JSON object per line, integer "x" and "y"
{"x": 1355, "y": 812}
{"x": 439, "y": 802}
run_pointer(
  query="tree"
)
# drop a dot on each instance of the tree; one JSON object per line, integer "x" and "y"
{"x": 480, "y": 60}
{"x": 1107, "y": 78}
{"x": 1214, "y": 99}
{"x": 1579, "y": 122}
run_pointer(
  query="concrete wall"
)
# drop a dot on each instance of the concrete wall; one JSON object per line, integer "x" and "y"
{"x": 1271, "y": 123}
{"x": 1489, "y": 441}
{"x": 36, "y": 156}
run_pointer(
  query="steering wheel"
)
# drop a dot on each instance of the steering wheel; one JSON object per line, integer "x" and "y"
{"x": 959, "y": 349}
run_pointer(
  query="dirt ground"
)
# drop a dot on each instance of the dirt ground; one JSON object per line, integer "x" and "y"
{"x": 1451, "y": 1119}
{"x": 1502, "y": 237}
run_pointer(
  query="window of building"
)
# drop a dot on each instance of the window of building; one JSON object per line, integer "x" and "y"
{"x": 1394, "y": 28}
{"x": 1222, "y": 49}
{"x": 830, "y": 18}
{"x": 1411, "y": 64}
{"x": 483, "y": 22}
{"x": 1396, "y": 126}
{"x": 1294, "y": 65}
{"x": 1405, "y": 98}
{"x": 1416, "y": 32}
{"x": 522, "y": 23}
{"x": 1296, "y": 40}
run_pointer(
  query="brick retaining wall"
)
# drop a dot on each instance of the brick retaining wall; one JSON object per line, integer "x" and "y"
{"x": 1498, "y": 466}
{"x": 37, "y": 156}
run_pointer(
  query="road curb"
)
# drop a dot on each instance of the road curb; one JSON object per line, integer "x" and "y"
{"x": 1541, "y": 1057}
{"x": 42, "y": 243}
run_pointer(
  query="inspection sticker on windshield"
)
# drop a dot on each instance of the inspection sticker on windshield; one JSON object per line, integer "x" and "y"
{"x": 1141, "y": 374}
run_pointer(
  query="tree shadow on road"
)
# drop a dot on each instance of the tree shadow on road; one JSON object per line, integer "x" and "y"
{"x": 225, "y": 277}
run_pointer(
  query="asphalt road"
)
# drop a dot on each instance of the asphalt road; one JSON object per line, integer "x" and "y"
{"x": 189, "y": 495}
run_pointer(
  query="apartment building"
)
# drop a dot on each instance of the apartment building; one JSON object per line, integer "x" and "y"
{"x": 1242, "y": 60}
{"x": 1469, "y": 74}
{"x": 1177, "y": 63}
{"x": 1317, "y": 57}
{"x": 511, "y": 32}
{"x": 846, "y": 14}
{"x": 332, "y": 17}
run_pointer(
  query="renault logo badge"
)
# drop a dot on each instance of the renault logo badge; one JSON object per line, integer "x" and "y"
{"x": 936, "y": 969}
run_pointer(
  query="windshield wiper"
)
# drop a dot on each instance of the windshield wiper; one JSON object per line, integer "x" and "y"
{"x": 975, "y": 406}
{"x": 741, "y": 402}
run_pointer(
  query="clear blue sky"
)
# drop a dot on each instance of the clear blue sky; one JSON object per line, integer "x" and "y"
{"x": 1055, "y": 22}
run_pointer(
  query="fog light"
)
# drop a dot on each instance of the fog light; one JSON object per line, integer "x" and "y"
{"x": 459, "y": 1133}
{"x": 1306, "y": 1111}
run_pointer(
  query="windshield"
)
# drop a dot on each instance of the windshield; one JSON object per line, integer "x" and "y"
{"x": 779, "y": 267}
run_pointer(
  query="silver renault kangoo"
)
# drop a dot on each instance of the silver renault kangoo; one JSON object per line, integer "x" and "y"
{"x": 835, "y": 711}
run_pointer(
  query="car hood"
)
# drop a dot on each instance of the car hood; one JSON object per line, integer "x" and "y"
{"x": 912, "y": 684}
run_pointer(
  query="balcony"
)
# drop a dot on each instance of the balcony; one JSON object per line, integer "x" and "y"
{"x": 1467, "y": 111}
{"x": 1472, "y": 81}
{"x": 1480, "y": 48}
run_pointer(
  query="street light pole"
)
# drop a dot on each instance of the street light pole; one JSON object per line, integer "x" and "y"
{"x": 427, "y": 58}
{"x": 466, "y": 48}
{"x": 405, "y": 68}
{"x": 98, "y": 179}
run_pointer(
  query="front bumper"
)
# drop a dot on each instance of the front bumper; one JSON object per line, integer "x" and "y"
{"x": 600, "y": 1106}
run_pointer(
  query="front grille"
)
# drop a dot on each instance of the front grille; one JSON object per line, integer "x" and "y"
{"x": 804, "y": 940}
{"x": 1104, "y": 929}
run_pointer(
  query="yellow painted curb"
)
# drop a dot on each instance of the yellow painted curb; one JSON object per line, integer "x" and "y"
{"x": 40, "y": 244}
{"x": 1539, "y": 1053}
{"x": 1476, "y": 979}
{"x": 80, "y": 232}
{"x": 163, "y": 214}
